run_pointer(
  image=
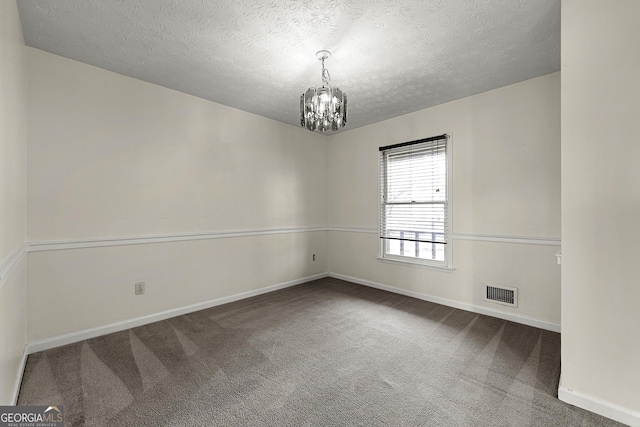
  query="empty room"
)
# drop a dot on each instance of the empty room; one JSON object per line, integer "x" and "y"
{"x": 338, "y": 213}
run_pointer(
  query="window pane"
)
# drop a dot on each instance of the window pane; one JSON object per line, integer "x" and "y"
{"x": 425, "y": 222}
{"x": 393, "y": 247}
{"x": 416, "y": 177}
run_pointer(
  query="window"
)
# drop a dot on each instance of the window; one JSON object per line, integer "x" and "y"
{"x": 415, "y": 202}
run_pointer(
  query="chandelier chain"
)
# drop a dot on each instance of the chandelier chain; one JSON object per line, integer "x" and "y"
{"x": 326, "y": 78}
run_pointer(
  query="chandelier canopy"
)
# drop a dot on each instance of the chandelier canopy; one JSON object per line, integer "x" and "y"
{"x": 323, "y": 108}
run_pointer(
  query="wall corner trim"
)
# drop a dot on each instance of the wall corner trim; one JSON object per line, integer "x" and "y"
{"x": 599, "y": 406}
{"x": 48, "y": 343}
{"x": 7, "y": 266}
{"x": 525, "y": 320}
{"x": 19, "y": 375}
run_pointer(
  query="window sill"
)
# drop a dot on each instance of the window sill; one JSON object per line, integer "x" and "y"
{"x": 417, "y": 264}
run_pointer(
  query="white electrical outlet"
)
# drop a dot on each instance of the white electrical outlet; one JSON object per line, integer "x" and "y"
{"x": 314, "y": 257}
{"x": 139, "y": 286}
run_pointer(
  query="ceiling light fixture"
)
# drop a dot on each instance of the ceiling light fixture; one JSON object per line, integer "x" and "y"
{"x": 324, "y": 108}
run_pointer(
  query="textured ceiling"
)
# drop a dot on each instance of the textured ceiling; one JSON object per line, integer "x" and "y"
{"x": 390, "y": 57}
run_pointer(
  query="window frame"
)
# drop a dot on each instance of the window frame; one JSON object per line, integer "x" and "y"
{"x": 447, "y": 264}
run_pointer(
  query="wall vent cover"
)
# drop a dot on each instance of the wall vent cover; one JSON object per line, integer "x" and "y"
{"x": 502, "y": 295}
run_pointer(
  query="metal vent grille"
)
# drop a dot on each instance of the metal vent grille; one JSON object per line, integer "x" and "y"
{"x": 506, "y": 296}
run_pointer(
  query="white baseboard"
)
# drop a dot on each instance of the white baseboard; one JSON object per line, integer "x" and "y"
{"x": 599, "y": 406}
{"x": 48, "y": 343}
{"x": 19, "y": 374}
{"x": 518, "y": 318}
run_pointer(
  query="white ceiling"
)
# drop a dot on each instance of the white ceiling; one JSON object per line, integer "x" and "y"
{"x": 391, "y": 57}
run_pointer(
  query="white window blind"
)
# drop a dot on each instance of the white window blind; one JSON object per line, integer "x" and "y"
{"x": 414, "y": 201}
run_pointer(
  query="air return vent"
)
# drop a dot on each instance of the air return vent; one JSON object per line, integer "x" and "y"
{"x": 505, "y": 296}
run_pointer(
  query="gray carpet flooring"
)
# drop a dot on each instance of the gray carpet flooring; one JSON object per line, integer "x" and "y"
{"x": 325, "y": 353}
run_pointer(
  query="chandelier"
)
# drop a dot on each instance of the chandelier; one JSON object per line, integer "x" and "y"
{"x": 323, "y": 108}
